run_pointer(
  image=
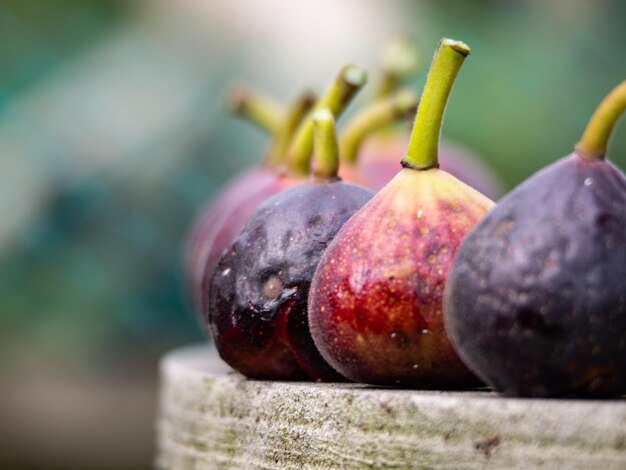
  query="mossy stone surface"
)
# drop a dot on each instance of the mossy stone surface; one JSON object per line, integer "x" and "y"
{"x": 210, "y": 417}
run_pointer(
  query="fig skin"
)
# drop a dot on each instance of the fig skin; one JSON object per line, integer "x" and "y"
{"x": 218, "y": 225}
{"x": 536, "y": 300}
{"x": 257, "y": 298}
{"x": 375, "y": 306}
{"x": 378, "y": 164}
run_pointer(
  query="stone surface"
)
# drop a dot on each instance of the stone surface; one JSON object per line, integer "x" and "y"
{"x": 211, "y": 417}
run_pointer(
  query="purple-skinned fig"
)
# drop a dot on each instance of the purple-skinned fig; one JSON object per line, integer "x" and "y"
{"x": 257, "y": 298}
{"x": 375, "y": 306}
{"x": 536, "y": 299}
{"x": 285, "y": 166}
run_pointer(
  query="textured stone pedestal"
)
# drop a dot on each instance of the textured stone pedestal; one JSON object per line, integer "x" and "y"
{"x": 212, "y": 418}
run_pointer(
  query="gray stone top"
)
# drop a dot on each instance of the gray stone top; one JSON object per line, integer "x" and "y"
{"x": 211, "y": 417}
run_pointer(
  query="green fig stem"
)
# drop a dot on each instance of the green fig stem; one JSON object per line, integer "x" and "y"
{"x": 256, "y": 108}
{"x": 296, "y": 112}
{"x": 350, "y": 80}
{"x": 400, "y": 60}
{"x": 375, "y": 117}
{"x": 423, "y": 146}
{"x": 595, "y": 140}
{"x": 326, "y": 147}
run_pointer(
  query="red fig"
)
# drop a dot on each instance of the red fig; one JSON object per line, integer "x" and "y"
{"x": 375, "y": 306}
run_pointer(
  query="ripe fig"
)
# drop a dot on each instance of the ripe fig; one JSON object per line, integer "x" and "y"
{"x": 536, "y": 299}
{"x": 218, "y": 225}
{"x": 257, "y": 297}
{"x": 375, "y": 307}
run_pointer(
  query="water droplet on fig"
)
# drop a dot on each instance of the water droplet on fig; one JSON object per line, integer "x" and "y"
{"x": 226, "y": 272}
{"x": 588, "y": 182}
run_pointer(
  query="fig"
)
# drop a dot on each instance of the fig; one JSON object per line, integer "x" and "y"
{"x": 257, "y": 298}
{"x": 375, "y": 306}
{"x": 536, "y": 299}
{"x": 219, "y": 224}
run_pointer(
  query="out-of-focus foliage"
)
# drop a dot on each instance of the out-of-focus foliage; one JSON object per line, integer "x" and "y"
{"x": 90, "y": 279}
{"x": 37, "y": 36}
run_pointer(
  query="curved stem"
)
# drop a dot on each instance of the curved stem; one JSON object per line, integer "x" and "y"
{"x": 256, "y": 108}
{"x": 400, "y": 60}
{"x": 283, "y": 138}
{"x": 595, "y": 140}
{"x": 326, "y": 147}
{"x": 376, "y": 117}
{"x": 423, "y": 147}
{"x": 350, "y": 80}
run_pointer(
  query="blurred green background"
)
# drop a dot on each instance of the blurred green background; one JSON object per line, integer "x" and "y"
{"x": 114, "y": 132}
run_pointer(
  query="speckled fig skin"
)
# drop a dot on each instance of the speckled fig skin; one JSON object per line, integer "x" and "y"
{"x": 536, "y": 299}
{"x": 257, "y": 298}
{"x": 378, "y": 164}
{"x": 375, "y": 307}
{"x": 218, "y": 225}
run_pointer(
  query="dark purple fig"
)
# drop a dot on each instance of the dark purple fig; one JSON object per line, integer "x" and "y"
{"x": 536, "y": 299}
{"x": 220, "y": 223}
{"x": 257, "y": 297}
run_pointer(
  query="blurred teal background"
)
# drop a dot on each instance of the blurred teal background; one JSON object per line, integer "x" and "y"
{"x": 114, "y": 132}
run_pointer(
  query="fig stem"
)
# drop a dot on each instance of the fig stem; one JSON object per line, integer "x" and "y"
{"x": 375, "y": 117}
{"x": 257, "y": 108}
{"x": 400, "y": 60}
{"x": 595, "y": 140}
{"x": 326, "y": 148}
{"x": 350, "y": 80}
{"x": 422, "y": 153}
{"x": 296, "y": 112}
